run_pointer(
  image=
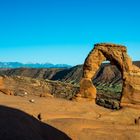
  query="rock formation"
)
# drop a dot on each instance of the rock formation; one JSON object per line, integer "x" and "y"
{"x": 117, "y": 55}
{"x": 24, "y": 86}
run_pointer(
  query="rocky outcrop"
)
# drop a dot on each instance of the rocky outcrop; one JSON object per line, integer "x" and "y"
{"x": 117, "y": 55}
{"x": 24, "y": 86}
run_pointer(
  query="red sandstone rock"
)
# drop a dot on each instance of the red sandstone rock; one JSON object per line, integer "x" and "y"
{"x": 117, "y": 55}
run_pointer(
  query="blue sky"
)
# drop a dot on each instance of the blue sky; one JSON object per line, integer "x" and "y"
{"x": 64, "y": 31}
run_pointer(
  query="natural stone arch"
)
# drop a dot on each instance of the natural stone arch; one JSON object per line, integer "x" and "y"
{"x": 117, "y": 55}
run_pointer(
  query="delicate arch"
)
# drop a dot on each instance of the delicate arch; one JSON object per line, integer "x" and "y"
{"x": 117, "y": 55}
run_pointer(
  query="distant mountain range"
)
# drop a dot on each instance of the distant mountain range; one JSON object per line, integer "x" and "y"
{"x": 32, "y": 65}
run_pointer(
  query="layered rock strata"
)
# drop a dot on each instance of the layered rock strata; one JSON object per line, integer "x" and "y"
{"x": 117, "y": 55}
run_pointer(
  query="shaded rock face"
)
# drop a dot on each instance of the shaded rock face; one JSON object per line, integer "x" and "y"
{"x": 18, "y": 125}
{"x": 117, "y": 55}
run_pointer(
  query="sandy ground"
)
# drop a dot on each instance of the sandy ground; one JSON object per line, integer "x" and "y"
{"x": 82, "y": 120}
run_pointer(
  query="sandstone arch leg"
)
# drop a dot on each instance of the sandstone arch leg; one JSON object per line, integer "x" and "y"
{"x": 87, "y": 89}
{"x": 117, "y": 55}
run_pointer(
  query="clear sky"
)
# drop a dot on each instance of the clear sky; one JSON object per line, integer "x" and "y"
{"x": 64, "y": 31}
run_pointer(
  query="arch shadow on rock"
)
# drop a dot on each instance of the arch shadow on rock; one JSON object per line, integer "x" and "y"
{"x": 18, "y": 125}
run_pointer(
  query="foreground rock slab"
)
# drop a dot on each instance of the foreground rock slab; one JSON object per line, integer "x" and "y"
{"x": 63, "y": 119}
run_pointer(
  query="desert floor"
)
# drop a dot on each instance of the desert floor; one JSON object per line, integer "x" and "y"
{"x": 80, "y": 120}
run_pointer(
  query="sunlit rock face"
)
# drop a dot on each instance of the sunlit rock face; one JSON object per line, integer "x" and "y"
{"x": 117, "y": 55}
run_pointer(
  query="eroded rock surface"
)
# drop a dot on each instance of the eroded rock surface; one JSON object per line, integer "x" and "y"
{"x": 117, "y": 55}
{"x": 24, "y": 86}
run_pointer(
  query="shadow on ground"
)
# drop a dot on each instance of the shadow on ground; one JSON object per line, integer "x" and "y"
{"x": 18, "y": 125}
